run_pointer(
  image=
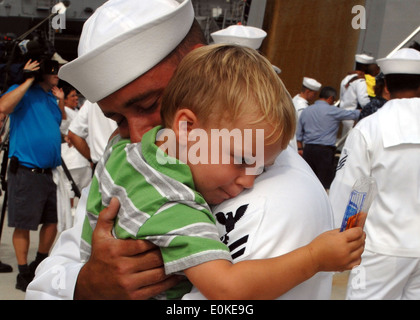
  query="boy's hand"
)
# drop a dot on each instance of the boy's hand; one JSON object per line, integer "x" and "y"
{"x": 338, "y": 251}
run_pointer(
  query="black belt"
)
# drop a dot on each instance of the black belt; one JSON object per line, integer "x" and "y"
{"x": 36, "y": 170}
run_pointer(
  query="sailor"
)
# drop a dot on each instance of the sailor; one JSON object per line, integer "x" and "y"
{"x": 307, "y": 96}
{"x": 386, "y": 146}
{"x": 128, "y": 51}
{"x": 87, "y": 280}
{"x": 353, "y": 88}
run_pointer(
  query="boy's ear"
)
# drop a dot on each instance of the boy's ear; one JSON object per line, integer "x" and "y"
{"x": 185, "y": 120}
{"x": 198, "y": 45}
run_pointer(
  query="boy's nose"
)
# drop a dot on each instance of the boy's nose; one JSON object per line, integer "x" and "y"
{"x": 246, "y": 180}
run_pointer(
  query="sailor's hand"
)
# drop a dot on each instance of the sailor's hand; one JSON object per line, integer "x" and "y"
{"x": 121, "y": 269}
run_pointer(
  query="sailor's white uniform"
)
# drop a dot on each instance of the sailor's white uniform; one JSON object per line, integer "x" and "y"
{"x": 286, "y": 209}
{"x": 385, "y": 145}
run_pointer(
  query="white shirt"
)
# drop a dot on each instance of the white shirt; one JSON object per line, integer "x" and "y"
{"x": 277, "y": 221}
{"x": 355, "y": 93}
{"x": 286, "y": 209}
{"x": 385, "y": 145}
{"x": 300, "y": 104}
{"x": 71, "y": 156}
{"x": 92, "y": 125}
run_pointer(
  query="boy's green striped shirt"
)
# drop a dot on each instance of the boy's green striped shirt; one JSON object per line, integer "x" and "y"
{"x": 157, "y": 203}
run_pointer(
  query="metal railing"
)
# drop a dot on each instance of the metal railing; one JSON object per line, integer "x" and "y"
{"x": 406, "y": 40}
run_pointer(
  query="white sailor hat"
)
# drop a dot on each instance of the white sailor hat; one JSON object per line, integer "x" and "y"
{"x": 276, "y": 69}
{"x": 403, "y": 61}
{"x": 364, "y": 59}
{"x": 124, "y": 39}
{"x": 239, "y": 34}
{"x": 311, "y": 84}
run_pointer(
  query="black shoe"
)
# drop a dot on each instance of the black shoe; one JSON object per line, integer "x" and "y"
{"x": 23, "y": 280}
{"x": 38, "y": 259}
{"x": 32, "y": 267}
{"x": 5, "y": 268}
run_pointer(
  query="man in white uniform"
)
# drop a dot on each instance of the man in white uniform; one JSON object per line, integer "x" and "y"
{"x": 271, "y": 219}
{"x": 90, "y": 131}
{"x": 307, "y": 96}
{"x": 128, "y": 51}
{"x": 386, "y": 146}
{"x": 353, "y": 89}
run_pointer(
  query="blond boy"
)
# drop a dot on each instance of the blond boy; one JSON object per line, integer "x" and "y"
{"x": 166, "y": 183}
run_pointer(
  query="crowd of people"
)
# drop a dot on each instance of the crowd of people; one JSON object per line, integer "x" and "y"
{"x": 321, "y": 127}
{"x": 381, "y": 146}
{"x": 48, "y": 165}
{"x": 281, "y": 224}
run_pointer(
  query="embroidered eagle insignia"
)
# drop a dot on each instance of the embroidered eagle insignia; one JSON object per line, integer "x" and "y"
{"x": 229, "y": 220}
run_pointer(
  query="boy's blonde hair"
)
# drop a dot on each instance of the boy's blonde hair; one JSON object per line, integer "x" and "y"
{"x": 217, "y": 80}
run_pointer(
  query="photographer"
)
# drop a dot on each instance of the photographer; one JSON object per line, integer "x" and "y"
{"x": 34, "y": 151}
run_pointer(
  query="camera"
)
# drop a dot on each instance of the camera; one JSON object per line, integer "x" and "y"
{"x": 45, "y": 67}
{"x": 15, "y": 53}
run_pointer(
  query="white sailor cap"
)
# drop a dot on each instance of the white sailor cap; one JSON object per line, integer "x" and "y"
{"x": 246, "y": 36}
{"x": 403, "y": 61}
{"x": 311, "y": 84}
{"x": 364, "y": 59}
{"x": 124, "y": 39}
{"x": 276, "y": 69}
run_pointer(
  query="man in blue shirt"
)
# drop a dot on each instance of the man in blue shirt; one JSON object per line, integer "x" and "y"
{"x": 35, "y": 149}
{"x": 317, "y": 133}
